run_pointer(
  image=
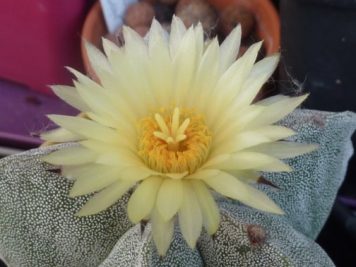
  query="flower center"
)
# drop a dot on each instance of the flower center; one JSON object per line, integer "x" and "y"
{"x": 174, "y": 142}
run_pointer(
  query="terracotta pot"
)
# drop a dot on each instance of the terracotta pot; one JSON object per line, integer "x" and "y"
{"x": 267, "y": 24}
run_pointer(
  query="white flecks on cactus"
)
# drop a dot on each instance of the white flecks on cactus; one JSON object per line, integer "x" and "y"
{"x": 38, "y": 226}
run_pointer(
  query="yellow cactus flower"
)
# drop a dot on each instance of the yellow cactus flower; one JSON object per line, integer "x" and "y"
{"x": 173, "y": 118}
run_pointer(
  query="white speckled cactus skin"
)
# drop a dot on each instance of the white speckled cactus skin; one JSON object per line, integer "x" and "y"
{"x": 38, "y": 226}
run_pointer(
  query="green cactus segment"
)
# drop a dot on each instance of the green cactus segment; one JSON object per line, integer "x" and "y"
{"x": 308, "y": 193}
{"x": 136, "y": 248}
{"x": 38, "y": 226}
{"x": 230, "y": 246}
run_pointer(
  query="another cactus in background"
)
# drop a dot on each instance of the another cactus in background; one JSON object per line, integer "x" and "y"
{"x": 38, "y": 226}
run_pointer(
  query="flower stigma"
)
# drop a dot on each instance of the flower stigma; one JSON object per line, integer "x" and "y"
{"x": 174, "y": 142}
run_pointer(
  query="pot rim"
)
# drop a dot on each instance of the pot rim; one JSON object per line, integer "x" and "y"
{"x": 267, "y": 18}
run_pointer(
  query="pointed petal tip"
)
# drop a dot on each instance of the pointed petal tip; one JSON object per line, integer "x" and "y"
{"x": 277, "y": 210}
{"x": 48, "y": 159}
{"x": 84, "y": 211}
{"x": 133, "y": 218}
{"x": 313, "y": 147}
{"x": 74, "y": 192}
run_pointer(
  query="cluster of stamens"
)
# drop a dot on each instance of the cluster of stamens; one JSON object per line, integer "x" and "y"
{"x": 174, "y": 142}
{"x": 175, "y": 134}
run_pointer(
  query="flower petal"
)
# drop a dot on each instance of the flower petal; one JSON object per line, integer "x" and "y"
{"x": 143, "y": 199}
{"x": 99, "y": 178}
{"x": 199, "y": 40}
{"x": 258, "y": 76}
{"x": 246, "y": 160}
{"x": 233, "y": 122}
{"x": 278, "y": 110}
{"x": 70, "y": 156}
{"x": 208, "y": 206}
{"x": 169, "y": 198}
{"x": 184, "y": 66}
{"x": 190, "y": 216}
{"x": 200, "y": 174}
{"x": 230, "y": 48}
{"x": 162, "y": 232}
{"x": 60, "y": 135}
{"x": 177, "y": 32}
{"x": 284, "y": 150}
{"x": 109, "y": 47}
{"x": 247, "y": 176}
{"x": 160, "y": 65}
{"x": 105, "y": 198}
{"x": 73, "y": 171}
{"x": 255, "y": 137}
{"x": 88, "y": 129}
{"x": 97, "y": 59}
{"x": 206, "y": 77}
{"x": 231, "y": 83}
{"x": 232, "y": 187}
{"x": 70, "y": 95}
{"x": 136, "y": 173}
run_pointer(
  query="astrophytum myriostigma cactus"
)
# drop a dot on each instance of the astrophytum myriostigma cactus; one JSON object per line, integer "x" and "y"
{"x": 38, "y": 226}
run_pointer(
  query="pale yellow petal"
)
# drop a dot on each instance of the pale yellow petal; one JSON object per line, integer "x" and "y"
{"x": 271, "y": 100}
{"x": 258, "y": 76}
{"x": 169, "y": 198}
{"x": 105, "y": 198}
{"x": 233, "y": 122}
{"x": 143, "y": 199}
{"x": 160, "y": 65}
{"x": 99, "y": 178}
{"x": 214, "y": 161}
{"x": 231, "y": 83}
{"x": 99, "y": 146}
{"x": 156, "y": 35}
{"x": 206, "y": 76}
{"x": 278, "y": 110}
{"x": 98, "y": 101}
{"x": 190, "y": 216}
{"x": 83, "y": 79}
{"x": 71, "y": 156}
{"x": 109, "y": 47}
{"x": 134, "y": 43}
{"x": 232, "y": 187}
{"x": 97, "y": 59}
{"x": 250, "y": 138}
{"x": 230, "y": 48}
{"x": 88, "y": 129}
{"x": 60, "y": 135}
{"x": 70, "y": 95}
{"x": 246, "y": 160}
{"x": 284, "y": 150}
{"x": 73, "y": 171}
{"x": 162, "y": 232}
{"x": 247, "y": 176}
{"x": 136, "y": 173}
{"x": 120, "y": 157}
{"x": 199, "y": 40}
{"x": 201, "y": 173}
{"x": 177, "y": 32}
{"x": 184, "y": 67}
{"x": 208, "y": 206}
{"x": 174, "y": 175}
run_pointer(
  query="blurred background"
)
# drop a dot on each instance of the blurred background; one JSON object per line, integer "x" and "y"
{"x": 317, "y": 40}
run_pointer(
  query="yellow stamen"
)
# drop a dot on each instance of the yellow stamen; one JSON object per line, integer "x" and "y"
{"x": 161, "y": 123}
{"x": 168, "y": 146}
